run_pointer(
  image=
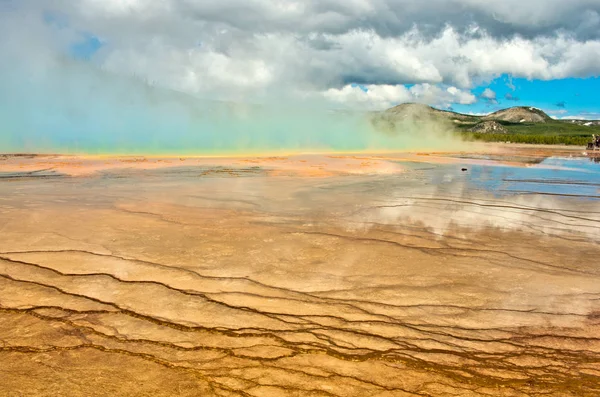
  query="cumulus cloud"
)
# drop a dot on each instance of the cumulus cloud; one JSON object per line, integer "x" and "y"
{"x": 489, "y": 96}
{"x": 387, "y": 18}
{"x": 374, "y": 97}
{"x": 510, "y": 97}
{"x": 401, "y": 50}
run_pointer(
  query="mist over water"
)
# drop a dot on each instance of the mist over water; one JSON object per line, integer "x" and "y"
{"x": 74, "y": 107}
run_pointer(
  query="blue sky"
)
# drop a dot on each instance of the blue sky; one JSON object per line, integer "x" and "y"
{"x": 559, "y": 98}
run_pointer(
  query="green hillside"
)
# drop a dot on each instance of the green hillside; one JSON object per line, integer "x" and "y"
{"x": 552, "y": 132}
{"x": 518, "y": 124}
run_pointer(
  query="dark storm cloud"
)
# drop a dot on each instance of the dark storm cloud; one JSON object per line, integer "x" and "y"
{"x": 390, "y": 18}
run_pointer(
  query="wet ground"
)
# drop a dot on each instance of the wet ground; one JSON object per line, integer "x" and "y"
{"x": 449, "y": 274}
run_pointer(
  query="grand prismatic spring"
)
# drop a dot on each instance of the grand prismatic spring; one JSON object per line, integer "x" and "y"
{"x": 324, "y": 275}
{"x": 265, "y": 198}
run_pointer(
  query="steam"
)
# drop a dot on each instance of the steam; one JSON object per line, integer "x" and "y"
{"x": 73, "y": 107}
{"x": 51, "y": 102}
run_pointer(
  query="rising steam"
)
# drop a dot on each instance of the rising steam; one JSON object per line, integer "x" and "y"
{"x": 53, "y": 103}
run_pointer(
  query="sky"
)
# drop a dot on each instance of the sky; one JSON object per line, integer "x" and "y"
{"x": 69, "y": 66}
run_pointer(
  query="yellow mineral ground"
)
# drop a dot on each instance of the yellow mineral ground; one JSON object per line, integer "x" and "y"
{"x": 306, "y": 275}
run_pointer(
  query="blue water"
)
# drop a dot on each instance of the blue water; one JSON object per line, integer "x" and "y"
{"x": 579, "y": 177}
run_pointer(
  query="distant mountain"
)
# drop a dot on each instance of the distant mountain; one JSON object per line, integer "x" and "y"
{"x": 514, "y": 120}
{"x": 518, "y": 114}
{"x": 418, "y": 110}
{"x": 586, "y": 123}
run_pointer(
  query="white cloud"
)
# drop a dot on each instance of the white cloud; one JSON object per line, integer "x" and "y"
{"x": 582, "y": 116}
{"x": 243, "y": 49}
{"x": 377, "y": 97}
{"x": 559, "y": 111}
{"x": 277, "y": 62}
{"x": 373, "y": 97}
{"x": 489, "y": 95}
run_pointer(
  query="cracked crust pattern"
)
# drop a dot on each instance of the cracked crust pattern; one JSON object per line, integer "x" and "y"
{"x": 357, "y": 285}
